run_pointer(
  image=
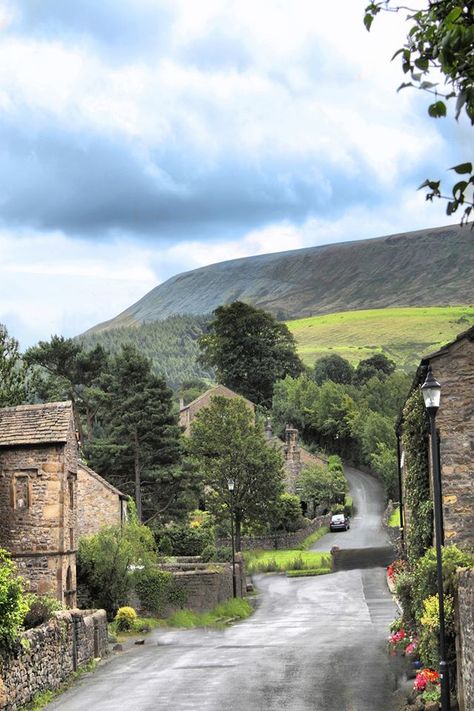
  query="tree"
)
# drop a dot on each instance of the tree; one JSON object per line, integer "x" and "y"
{"x": 333, "y": 367}
{"x": 139, "y": 432}
{"x": 12, "y": 371}
{"x": 439, "y": 43}
{"x": 378, "y": 365}
{"x": 321, "y": 487}
{"x": 228, "y": 444}
{"x": 288, "y": 515}
{"x": 65, "y": 370}
{"x": 249, "y": 350}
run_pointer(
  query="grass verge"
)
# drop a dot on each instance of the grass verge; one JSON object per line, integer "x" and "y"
{"x": 313, "y": 537}
{"x": 285, "y": 560}
{"x": 394, "y": 519}
{"x": 218, "y": 618}
{"x": 140, "y": 626}
{"x": 305, "y": 573}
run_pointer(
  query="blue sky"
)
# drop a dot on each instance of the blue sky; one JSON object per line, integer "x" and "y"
{"x": 142, "y": 138}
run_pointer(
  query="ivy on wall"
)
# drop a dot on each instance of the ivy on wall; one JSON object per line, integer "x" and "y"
{"x": 415, "y": 439}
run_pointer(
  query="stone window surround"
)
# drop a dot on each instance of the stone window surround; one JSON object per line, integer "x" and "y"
{"x": 27, "y": 473}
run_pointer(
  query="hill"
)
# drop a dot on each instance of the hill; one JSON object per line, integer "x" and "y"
{"x": 402, "y": 334}
{"x": 431, "y": 267}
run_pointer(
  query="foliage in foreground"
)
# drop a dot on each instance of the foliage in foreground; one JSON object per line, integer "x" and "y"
{"x": 13, "y": 602}
{"x": 438, "y": 46}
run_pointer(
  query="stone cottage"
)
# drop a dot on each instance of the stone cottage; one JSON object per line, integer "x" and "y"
{"x": 100, "y": 503}
{"x": 453, "y": 367}
{"x": 187, "y": 413}
{"x": 49, "y": 499}
{"x": 38, "y": 495}
{"x": 295, "y": 456}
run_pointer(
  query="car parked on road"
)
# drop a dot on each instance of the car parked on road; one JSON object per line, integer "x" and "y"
{"x": 339, "y": 522}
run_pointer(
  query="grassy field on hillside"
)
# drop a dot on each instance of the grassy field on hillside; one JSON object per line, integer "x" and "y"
{"x": 403, "y": 334}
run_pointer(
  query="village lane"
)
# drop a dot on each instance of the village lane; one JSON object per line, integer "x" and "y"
{"x": 313, "y": 644}
{"x": 366, "y": 529}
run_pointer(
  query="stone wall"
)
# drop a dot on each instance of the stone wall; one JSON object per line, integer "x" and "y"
{"x": 454, "y": 369}
{"x": 38, "y": 514}
{"x": 50, "y": 654}
{"x": 465, "y": 640}
{"x": 279, "y": 540}
{"x": 101, "y": 504}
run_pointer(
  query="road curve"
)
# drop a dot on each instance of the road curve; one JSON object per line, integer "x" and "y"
{"x": 313, "y": 644}
{"x": 366, "y": 529}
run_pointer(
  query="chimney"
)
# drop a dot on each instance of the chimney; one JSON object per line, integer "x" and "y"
{"x": 292, "y": 452}
{"x": 181, "y": 403}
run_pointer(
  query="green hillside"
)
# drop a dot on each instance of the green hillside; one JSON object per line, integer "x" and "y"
{"x": 403, "y": 334}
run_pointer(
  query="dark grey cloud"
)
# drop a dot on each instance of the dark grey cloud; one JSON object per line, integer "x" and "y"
{"x": 119, "y": 28}
{"x": 91, "y": 184}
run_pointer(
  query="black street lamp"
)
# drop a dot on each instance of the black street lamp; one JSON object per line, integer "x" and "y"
{"x": 231, "y": 486}
{"x": 431, "y": 390}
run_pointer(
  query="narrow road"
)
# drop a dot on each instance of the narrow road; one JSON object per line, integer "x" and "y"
{"x": 366, "y": 529}
{"x": 313, "y": 644}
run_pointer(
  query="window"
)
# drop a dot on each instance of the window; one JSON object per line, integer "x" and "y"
{"x": 21, "y": 499}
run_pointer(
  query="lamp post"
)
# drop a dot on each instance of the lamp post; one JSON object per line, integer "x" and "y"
{"x": 431, "y": 390}
{"x": 231, "y": 487}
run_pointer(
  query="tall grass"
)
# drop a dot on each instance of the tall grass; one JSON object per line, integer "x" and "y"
{"x": 284, "y": 560}
{"x": 222, "y": 615}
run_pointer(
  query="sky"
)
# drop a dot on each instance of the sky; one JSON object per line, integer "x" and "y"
{"x": 143, "y": 138}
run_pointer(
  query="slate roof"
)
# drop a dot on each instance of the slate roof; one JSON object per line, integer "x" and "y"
{"x": 46, "y": 423}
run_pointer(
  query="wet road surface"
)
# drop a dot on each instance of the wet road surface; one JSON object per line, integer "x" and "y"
{"x": 314, "y": 643}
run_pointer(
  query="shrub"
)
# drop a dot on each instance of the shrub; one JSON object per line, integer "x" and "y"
{"x": 125, "y": 619}
{"x": 13, "y": 602}
{"x": 106, "y": 560}
{"x": 221, "y": 554}
{"x": 182, "y": 539}
{"x": 425, "y": 574}
{"x": 157, "y": 589}
{"x": 348, "y": 505}
{"x": 41, "y": 609}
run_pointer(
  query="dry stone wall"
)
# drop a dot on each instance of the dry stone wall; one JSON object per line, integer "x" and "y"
{"x": 49, "y": 654}
{"x": 279, "y": 541}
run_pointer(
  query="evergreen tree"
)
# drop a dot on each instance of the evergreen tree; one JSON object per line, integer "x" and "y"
{"x": 138, "y": 433}
{"x": 12, "y": 371}
{"x": 63, "y": 369}
{"x": 249, "y": 350}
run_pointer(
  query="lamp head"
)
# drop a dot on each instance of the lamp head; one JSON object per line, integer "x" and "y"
{"x": 431, "y": 390}
{"x": 230, "y": 484}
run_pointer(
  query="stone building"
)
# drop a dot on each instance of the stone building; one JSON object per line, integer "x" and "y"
{"x": 453, "y": 367}
{"x": 38, "y": 495}
{"x": 49, "y": 499}
{"x": 188, "y": 412}
{"x": 296, "y": 457}
{"x": 100, "y": 503}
